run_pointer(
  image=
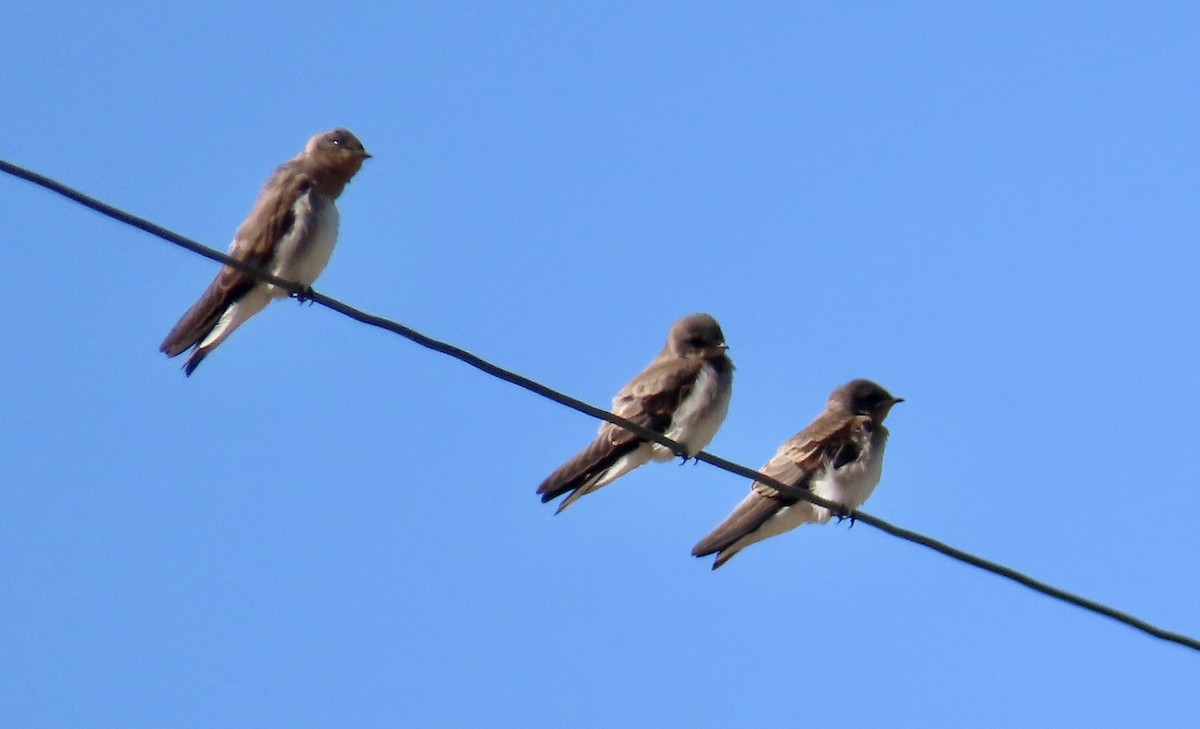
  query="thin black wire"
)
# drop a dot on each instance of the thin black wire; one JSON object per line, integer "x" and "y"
{"x": 462, "y": 355}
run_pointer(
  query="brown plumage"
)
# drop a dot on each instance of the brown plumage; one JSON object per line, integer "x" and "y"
{"x": 683, "y": 393}
{"x": 838, "y": 457}
{"x": 290, "y": 232}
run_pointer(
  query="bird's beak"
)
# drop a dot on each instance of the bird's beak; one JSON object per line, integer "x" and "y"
{"x": 897, "y": 399}
{"x": 723, "y": 347}
{"x": 366, "y": 154}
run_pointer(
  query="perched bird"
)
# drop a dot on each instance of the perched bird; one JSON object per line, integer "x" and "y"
{"x": 290, "y": 232}
{"x": 683, "y": 394}
{"x": 838, "y": 457}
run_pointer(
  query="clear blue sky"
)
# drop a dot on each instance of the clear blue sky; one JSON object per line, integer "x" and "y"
{"x": 990, "y": 208}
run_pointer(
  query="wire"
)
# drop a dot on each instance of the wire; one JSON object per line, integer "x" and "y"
{"x": 306, "y": 293}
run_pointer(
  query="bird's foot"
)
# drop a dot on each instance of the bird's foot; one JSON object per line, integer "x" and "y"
{"x": 846, "y": 514}
{"x": 304, "y": 296}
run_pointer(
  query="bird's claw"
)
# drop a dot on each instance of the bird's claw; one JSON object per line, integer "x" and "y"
{"x": 847, "y": 515}
{"x": 303, "y": 296}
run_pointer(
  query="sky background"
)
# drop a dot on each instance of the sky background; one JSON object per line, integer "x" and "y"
{"x": 989, "y": 208}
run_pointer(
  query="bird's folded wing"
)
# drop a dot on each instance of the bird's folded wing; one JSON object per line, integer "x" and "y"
{"x": 651, "y": 398}
{"x": 273, "y": 217}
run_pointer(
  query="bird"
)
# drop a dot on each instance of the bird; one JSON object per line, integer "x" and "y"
{"x": 290, "y": 232}
{"x": 683, "y": 393}
{"x": 838, "y": 457}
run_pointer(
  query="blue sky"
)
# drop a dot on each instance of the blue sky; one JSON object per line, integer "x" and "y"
{"x": 990, "y": 208}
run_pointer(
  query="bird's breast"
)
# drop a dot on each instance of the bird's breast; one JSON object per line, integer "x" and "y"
{"x": 306, "y": 249}
{"x": 701, "y": 413}
{"x": 852, "y": 484}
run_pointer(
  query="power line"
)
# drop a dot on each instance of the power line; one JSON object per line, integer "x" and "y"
{"x": 462, "y": 355}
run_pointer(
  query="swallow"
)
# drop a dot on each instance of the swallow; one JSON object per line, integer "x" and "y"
{"x": 838, "y": 457}
{"x": 683, "y": 394}
{"x": 290, "y": 232}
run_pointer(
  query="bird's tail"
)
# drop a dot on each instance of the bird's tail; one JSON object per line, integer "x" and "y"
{"x": 590, "y": 469}
{"x": 755, "y": 518}
{"x": 209, "y": 322}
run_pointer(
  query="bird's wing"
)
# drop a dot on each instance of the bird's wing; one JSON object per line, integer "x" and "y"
{"x": 273, "y": 217}
{"x": 833, "y": 439}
